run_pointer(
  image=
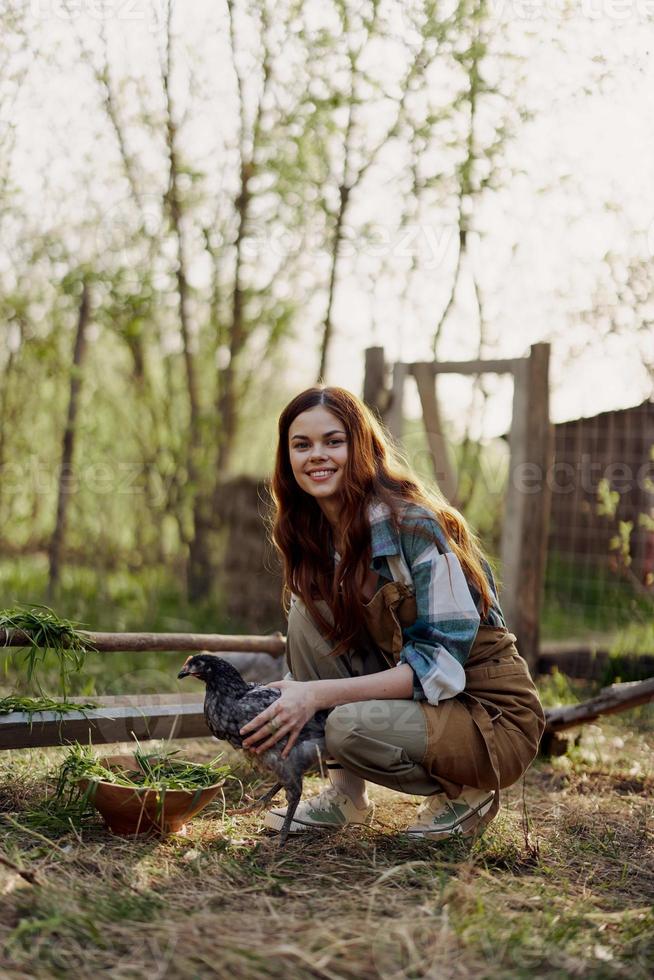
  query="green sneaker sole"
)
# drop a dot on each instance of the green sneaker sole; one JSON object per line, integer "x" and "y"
{"x": 467, "y": 826}
{"x": 275, "y": 821}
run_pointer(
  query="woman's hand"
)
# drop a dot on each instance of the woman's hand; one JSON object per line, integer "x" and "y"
{"x": 298, "y": 703}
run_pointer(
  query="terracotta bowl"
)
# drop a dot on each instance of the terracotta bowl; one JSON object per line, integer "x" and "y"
{"x": 130, "y": 811}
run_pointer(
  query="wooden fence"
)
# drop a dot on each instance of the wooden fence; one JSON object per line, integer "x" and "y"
{"x": 165, "y": 716}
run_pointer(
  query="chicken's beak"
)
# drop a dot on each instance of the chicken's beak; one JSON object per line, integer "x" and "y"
{"x": 187, "y": 669}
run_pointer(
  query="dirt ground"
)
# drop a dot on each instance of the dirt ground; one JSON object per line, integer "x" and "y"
{"x": 561, "y": 884}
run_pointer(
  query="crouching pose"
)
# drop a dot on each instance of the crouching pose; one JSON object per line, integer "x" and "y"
{"x": 394, "y": 627}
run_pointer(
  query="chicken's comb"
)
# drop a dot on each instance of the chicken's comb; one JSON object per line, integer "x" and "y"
{"x": 188, "y": 659}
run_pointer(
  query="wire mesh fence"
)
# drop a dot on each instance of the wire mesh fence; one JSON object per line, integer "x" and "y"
{"x": 600, "y": 568}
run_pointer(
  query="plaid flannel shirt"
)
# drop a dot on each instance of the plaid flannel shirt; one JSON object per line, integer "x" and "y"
{"x": 449, "y": 607}
{"x": 436, "y": 647}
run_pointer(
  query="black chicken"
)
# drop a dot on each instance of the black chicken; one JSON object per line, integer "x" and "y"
{"x": 230, "y": 702}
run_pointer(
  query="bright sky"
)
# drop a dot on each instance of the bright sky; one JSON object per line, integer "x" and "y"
{"x": 583, "y": 187}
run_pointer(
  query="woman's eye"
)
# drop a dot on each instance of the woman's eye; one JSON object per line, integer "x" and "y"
{"x": 330, "y": 442}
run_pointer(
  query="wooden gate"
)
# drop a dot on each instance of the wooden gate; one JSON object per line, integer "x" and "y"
{"x": 526, "y": 510}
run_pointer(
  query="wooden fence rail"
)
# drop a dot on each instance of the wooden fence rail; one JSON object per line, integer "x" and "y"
{"x": 164, "y": 716}
{"x": 116, "y": 719}
{"x": 574, "y": 658}
{"x": 273, "y": 645}
{"x": 617, "y": 697}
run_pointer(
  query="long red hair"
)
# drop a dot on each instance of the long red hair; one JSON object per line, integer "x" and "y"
{"x": 373, "y": 471}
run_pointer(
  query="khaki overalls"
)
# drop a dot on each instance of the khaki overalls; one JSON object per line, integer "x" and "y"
{"x": 484, "y": 737}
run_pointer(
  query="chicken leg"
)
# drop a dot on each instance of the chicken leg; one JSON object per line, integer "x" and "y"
{"x": 260, "y": 801}
{"x": 293, "y": 794}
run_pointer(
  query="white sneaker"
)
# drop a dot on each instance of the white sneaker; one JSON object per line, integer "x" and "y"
{"x": 440, "y": 817}
{"x": 330, "y": 808}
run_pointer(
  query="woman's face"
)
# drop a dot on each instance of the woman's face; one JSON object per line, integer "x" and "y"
{"x": 317, "y": 445}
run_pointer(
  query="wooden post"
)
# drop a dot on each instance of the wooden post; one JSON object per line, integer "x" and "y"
{"x": 526, "y": 514}
{"x": 393, "y": 416}
{"x": 438, "y": 449}
{"x": 374, "y": 380}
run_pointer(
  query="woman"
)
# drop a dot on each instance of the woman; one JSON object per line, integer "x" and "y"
{"x": 394, "y": 624}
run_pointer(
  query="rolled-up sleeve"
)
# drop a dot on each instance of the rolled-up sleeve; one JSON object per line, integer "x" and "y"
{"x": 437, "y": 645}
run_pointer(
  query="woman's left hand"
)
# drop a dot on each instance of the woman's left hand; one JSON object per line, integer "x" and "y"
{"x": 291, "y": 711}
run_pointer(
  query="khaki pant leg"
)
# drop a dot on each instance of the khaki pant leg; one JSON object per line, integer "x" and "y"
{"x": 383, "y": 741}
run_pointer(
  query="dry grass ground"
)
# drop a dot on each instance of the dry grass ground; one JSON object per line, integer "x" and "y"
{"x": 561, "y": 885}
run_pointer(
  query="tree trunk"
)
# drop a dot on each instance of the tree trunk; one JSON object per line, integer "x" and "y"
{"x": 328, "y": 326}
{"x": 227, "y": 402}
{"x": 4, "y": 422}
{"x": 66, "y": 472}
{"x": 198, "y": 550}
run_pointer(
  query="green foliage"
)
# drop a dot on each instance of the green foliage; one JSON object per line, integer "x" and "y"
{"x": 628, "y": 643}
{"x": 557, "y": 688}
{"x": 608, "y": 499}
{"x": 115, "y": 599}
{"x": 620, "y": 543}
{"x": 634, "y": 638}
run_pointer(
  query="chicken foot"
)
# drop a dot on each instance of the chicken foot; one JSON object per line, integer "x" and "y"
{"x": 260, "y": 801}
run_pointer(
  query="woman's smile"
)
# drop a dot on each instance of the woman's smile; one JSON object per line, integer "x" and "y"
{"x": 319, "y": 476}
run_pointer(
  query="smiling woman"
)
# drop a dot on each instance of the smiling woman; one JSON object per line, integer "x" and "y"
{"x": 318, "y": 454}
{"x": 394, "y": 627}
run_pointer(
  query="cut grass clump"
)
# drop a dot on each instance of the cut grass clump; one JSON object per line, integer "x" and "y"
{"x": 159, "y": 771}
{"x": 32, "y": 706}
{"x": 45, "y": 632}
